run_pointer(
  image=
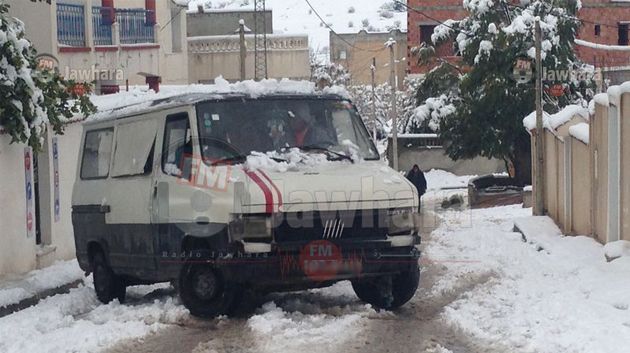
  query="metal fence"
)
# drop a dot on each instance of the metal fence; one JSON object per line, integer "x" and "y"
{"x": 102, "y": 30}
{"x": 134, "y": 28}
{"x": 71, "y": 25}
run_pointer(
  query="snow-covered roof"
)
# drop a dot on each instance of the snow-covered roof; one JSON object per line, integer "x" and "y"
{"x": 143, "y": 100}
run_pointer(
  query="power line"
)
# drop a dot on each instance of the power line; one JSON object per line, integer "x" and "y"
{"x": 338, "y": 35}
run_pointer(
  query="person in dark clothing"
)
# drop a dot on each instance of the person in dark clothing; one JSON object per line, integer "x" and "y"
{"x": 416, "y": 177}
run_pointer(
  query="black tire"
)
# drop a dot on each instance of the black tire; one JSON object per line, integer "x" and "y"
{"x": 205, "y": 292}
{"x": 107, "y": 285}
{"x": 375, "y": 291}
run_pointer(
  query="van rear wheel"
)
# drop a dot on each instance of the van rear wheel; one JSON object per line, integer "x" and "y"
{"x": 107, "y": 285}
{"x": 388, "y": 292}
{"x": 204, "y": 290}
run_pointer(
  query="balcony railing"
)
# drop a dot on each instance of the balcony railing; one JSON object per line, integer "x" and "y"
{"x": 134, "y": 28}
{"x": 71, "y": 25}
{"x": 102, "y": 30}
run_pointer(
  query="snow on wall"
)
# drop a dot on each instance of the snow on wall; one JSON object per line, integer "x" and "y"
{"x": 580, "y": 132}
{"x": 558, "y": 119}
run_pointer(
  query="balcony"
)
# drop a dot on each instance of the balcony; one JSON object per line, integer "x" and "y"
{"x": 130, "y": 26}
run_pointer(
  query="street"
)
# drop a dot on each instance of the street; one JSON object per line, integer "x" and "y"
{"x": 416, "y": 327}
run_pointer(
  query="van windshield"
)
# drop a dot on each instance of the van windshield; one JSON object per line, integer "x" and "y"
{"x": 232, "y": 130}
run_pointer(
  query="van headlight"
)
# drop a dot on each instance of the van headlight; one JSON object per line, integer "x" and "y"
{"x": 400, "y": 221}
{"x": 245, "y": 227}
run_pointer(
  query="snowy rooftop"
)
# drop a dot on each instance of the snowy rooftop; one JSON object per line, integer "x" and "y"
{"x": 141, "y": 99}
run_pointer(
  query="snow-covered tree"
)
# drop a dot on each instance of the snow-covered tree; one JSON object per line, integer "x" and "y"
{"x": 478, "y": 105}
{"x": 30, "y": 98}
{"x": 329, "y": 74}
{"x": 363, "y": 98}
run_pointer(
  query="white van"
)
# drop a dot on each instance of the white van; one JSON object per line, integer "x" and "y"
{"x": 222, "y": 193}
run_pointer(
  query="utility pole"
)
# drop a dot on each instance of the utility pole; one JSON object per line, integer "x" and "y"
{"x": 539, "y": 207}
{"x": 373, "y": 69}
{"x": 241, "y": 31}
{"x": 260, "y": 40}
{"x": 392, "y": 81}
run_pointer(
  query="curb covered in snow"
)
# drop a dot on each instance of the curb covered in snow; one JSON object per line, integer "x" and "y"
{"x": 35, "y": 299}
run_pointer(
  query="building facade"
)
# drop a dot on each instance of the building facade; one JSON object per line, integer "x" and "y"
{"x": 420, "y": 28}
{"x": 214, "y": 48}
{"x": 367, "y": 47}
{"x": 603, "y": 22}
{"x": 108, "y": 42}
{"x": 606, "y": 22}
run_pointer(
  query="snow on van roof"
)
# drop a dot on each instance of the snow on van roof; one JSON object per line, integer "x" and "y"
{"x": 138, "y": 99}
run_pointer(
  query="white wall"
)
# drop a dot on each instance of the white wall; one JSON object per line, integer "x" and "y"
{"x": 17, "y": 252}
{"x": 62, "y": 232}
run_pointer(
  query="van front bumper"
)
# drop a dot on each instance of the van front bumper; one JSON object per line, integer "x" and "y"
{"x": 295, "y": 266}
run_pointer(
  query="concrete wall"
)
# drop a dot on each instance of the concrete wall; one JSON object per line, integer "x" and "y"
{"x": 580, "y": 188}
{"x": 38, "y": 18}
{"x": 428, "y": 158}
{"x": 599, "y": 161}
{"x": 358, "y": 62}
{"x": 624, "y": 217}
{"x": 18, "y": 252}
{"x": 210, "y": 57}
{"x": 219, "y": 23}
{"x": 551, "y": 174}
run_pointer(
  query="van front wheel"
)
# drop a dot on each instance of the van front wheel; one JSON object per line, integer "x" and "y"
{"x": 388, "y": 292}
{"x": 204, "y": 290}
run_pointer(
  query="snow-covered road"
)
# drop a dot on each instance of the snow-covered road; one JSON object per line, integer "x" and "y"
{"x": 484, "y": 289}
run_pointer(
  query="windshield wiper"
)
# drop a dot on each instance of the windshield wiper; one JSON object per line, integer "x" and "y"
{"x": 339, "y": 155}
{"x": 241, "y": 158}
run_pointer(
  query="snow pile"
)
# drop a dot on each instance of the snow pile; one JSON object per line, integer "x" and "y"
{"x": 566, "y": 114}
{"x": 547, "y": 294}
{"x": 138, "y": 98}
{"x": 344, "y": 16}
{"x": 599, "y": 99}
{"x": 440, "y": 179}
{"x": 617, "y": 249}
{"x": 77, "y": 322}
{"x": 616, "y": 91}
{"x": 57, "y": 275}
{"x": 580, "y": 132}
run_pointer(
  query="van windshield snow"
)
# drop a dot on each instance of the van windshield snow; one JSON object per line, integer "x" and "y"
{"x": 231, "y": 130}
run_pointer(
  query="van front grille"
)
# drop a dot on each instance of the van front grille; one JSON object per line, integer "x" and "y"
{"x": 340, "y": 225}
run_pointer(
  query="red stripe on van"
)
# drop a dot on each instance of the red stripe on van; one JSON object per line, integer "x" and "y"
{"x": 265, "y": 189}
{"x": 273, "y": 185}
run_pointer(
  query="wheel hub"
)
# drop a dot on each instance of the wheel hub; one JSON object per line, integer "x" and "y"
{"x": 204, "y": 284}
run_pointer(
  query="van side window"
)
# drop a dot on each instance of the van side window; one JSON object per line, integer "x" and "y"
{"x": 177, "y": 148}
{"x": 134, "y": 143}
{"x": 97, "y": 153}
